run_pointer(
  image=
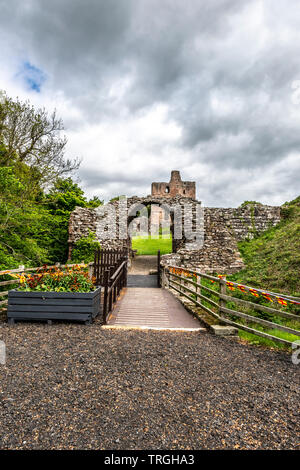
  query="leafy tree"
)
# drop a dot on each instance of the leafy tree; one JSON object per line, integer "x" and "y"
{"x": 32, "y": 137}
{"x": 33, "y": 223}
{"x": 20, "y": 221}
{"x": 61, "y": 201}
{"x": 95, "y": 202}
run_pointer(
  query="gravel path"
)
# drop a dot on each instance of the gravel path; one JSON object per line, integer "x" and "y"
{"x": 142, "y": 264}
{"x": 81, "y": 387}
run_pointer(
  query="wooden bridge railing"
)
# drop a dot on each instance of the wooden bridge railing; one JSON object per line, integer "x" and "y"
{"x": 115, "y": 279}
{"x": 176, "y": 278}
{"x": 158, "y": 269}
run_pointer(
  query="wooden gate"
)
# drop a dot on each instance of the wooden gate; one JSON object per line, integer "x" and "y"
{"x": 110, "y": 272}
{"x": 105, "y": 260}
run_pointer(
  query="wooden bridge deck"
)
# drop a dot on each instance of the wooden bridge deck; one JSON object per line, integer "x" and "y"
{"x": 150, "y": 307}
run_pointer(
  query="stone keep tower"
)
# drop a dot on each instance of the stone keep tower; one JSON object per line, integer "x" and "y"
{"x": 175, "y": 187}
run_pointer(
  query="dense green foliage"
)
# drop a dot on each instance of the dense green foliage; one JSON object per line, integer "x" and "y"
{"x": 272, "y": 259}
{"x": 36, "y": 198}
{"x": 251, "y": 203}
{"x": 84, "y": 249}
{"x": 60, "y": 202}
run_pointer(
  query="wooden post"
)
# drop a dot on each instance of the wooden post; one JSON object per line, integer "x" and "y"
{"x": 90, "y": 270}
{"x": 119, "y": 284}
{"x": 105, "y": 298}
{"x": 125, "y": 273}
{"x": 222, "y": 303}
{"x": 198, "y": 289}
{"x": 181, "y": 282}
{"x": 95, "y": 264}
{"x": 158, "y": 269}
{"x": 70, "y": 249}
{"x": 114, "y": 293}
{"x": 101, "y": 268}
{"x": 163, "y": 278}
{"x": 167, "y": 274}
{"x": 110, "y": 296}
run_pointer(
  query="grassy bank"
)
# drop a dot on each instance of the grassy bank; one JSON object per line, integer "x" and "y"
{"x": 273, "y": 259}
{"x": 249, "y": 337}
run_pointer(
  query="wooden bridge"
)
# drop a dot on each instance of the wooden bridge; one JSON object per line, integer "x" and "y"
{"x": 151, "y": 307}
{"x": 136, "y": 300}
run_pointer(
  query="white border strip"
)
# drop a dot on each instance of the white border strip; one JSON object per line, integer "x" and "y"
{"x": 158, "y": 328}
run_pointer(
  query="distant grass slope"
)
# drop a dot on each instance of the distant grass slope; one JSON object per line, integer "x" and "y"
{"x": 150, "y": 246}
{"x": 273, "y": 259}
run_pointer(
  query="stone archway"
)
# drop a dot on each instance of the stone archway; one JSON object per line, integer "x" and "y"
{"x": 122, "y": 213}
{"x": 209, "y": 246}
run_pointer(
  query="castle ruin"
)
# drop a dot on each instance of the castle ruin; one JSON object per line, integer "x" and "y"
{"x": 222, "y": 228}
{"x": 175, "y": 187}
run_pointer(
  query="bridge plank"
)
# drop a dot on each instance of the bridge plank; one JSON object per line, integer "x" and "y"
{"x": 151, "y": 307}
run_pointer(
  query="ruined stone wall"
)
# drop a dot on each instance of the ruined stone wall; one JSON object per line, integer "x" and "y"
{"x": 223, "y": 228}
{"x": 242, "y": 222}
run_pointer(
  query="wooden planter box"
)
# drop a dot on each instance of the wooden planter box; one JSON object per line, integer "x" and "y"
{"x": 78, "y": 306}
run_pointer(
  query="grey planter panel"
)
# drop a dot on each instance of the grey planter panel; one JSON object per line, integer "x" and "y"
{"x": 79, "y": 306}
{"x": 50, "y": 316}
{"x": 51, "y": 308}
{"x": 50, "y": 295}
{"x": 38, "y": 301}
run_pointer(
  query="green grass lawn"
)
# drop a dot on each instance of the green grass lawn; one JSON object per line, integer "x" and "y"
{"x": 253, "y": 339}
{"x": 150, "y": 246}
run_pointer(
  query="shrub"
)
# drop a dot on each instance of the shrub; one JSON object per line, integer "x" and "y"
{"x": 84, "y": 249}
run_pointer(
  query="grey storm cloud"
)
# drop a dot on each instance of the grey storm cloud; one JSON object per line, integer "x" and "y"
{"x": 226, "y": 84}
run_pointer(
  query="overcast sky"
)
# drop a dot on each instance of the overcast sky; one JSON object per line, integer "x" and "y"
{"x": 210, "y": 88}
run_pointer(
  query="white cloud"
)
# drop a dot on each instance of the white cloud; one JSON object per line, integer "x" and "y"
{"x": 146, "y": 86}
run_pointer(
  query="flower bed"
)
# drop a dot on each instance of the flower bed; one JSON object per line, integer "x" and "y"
{"x": 53, "y": 294}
